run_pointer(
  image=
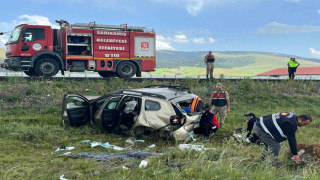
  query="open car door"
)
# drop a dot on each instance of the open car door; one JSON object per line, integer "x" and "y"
{"x": 107, "y": 117}
{"x": 75, "y": 110}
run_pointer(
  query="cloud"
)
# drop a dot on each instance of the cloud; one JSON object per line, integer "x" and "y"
{"x": 180, "y": 38}
{"x": 314, "y": 52}
{"x": 36, "y": 20}
{"x": 194, "y": 7}
{"x": 3, "y": 40}
{"x": 292, "y": 1}
{"x": 203, "y": 40}
{"x": 163, "y": 44}
{"x": 23, "y": 19}
{"x": 279, "y": 28}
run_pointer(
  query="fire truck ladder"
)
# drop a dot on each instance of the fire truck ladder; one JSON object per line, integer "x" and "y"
{"x": 108, "y": 27}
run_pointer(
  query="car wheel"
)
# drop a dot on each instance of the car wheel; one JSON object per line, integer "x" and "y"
{"x": 47, "y": 67}
{"x": 31, "y": 72}
{"x": 126, "y": 70}
{"x": 107, "y": 73}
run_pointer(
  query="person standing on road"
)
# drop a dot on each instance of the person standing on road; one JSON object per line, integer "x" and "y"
{"x": 276, "y": 128}
{"x": 292, "y": 67}
{"x": 209, "y": 60}
{"x": 220, "y": 102}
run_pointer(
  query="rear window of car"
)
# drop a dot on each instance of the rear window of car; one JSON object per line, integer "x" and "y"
{"x": 152, "y": 106}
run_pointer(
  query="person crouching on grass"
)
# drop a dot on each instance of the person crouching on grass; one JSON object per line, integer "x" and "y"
{"x": 276, "y": 128}
{"x": 208, "y": 123}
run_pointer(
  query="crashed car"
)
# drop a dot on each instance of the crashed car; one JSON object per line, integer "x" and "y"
{"x": 158, "y": 108}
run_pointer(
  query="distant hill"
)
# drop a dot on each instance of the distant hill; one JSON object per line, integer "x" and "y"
{"x": 225, "y": 59}
{"x": 229, "y": 63}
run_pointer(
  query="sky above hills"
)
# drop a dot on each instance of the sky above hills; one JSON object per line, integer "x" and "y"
{"x": 284, "y": 26}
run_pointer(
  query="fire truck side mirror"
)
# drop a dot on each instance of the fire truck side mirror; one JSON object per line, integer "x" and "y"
{"x": 1, "y": 33}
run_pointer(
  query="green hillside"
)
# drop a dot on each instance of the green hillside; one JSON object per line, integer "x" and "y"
{"x": 228, "y": 63}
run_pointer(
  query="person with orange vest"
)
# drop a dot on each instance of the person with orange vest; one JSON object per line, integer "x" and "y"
{"x": 220, "y": 102}
{"x": 209, "y": 60}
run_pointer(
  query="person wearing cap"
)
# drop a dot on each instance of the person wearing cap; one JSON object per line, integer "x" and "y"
{"x": 276, "y": 128}
{"x": 220, "y": 102}
{"x": 292, "y": 67}
{"x": 208, "y": 123}
{"x": 251, "y": 117}
{"x": 209, "y": 61}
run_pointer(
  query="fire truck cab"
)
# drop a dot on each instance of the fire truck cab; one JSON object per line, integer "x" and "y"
{"x": 110, "y": 50}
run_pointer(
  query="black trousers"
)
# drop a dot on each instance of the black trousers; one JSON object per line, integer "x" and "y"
{"x": 206, "y": 129}
{"x": 292, "y": 71}
{"x": 254, "y": 138}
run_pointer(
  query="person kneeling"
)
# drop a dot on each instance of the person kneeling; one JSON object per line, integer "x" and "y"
{"x": 208, "y": 123}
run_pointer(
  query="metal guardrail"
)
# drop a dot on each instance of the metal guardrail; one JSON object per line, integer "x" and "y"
{"x": 154, "y": 76}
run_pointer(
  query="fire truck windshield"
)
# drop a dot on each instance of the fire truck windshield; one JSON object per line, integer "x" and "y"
{"x": 14, "y": 36}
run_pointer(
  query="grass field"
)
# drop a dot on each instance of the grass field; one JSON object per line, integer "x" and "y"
{"x": 30, "y": 131}
{"x": 258, "y": 63}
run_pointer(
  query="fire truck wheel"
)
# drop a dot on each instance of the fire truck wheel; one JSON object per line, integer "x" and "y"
{"x": 47, "y": 67}
{"x": 31, "y": 72}
{"x": 106, "y": 74}
{"x": 126, "y": 70}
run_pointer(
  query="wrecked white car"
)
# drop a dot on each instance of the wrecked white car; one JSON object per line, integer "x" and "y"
{"x": 157, "y": 108}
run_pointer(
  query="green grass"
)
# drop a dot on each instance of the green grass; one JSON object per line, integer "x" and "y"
{"x": 30, "y": 131}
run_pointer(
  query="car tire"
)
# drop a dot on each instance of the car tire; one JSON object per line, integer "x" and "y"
{"x": 107, "y": 74}
{"x": 31, "y": 72}
{"x": 47, "y": 67}
{"x": 126, "y": 70}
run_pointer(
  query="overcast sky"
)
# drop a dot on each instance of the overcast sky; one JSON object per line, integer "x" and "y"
{"x": 283, "y": 26}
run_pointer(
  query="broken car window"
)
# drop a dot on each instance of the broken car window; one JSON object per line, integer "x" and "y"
{"x": 112, "y": 104}
{"x": 75, "y": 102}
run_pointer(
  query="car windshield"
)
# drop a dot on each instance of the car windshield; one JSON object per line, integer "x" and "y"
{"x": 14, "y": 36}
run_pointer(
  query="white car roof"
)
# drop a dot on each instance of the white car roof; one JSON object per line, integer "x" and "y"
{"x": 173, "y": 95}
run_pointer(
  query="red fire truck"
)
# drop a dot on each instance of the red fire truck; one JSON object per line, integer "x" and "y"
{"x": 110, "y": 50}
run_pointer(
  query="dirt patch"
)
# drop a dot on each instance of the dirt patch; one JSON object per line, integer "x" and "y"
{"x": 309, "y": 154}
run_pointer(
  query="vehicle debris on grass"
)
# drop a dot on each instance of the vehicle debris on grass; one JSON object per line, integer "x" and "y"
{"x": 143, "y": 164}
{"x": 105, "y": 145}
{"x": 196, "y": 147}
{"x": 108, "y": 156}
{"x": 63, "y": 148}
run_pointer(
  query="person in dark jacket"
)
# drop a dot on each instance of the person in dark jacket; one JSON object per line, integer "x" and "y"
{"x": 251, "y": 117}
{"x": 276, "y": 128}
{"x": 208, "y": 123}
